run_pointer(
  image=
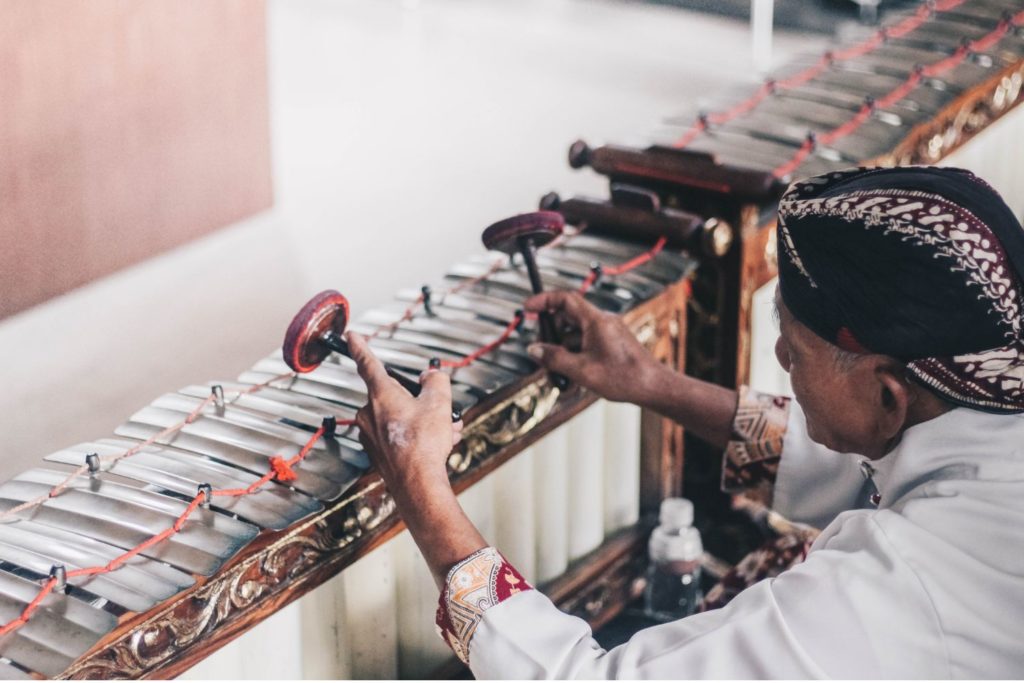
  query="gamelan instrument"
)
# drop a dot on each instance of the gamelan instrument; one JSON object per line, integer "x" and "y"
{"x": 217, "y": 507}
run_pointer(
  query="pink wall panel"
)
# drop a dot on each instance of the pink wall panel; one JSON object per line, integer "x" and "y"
{"x": 127, "y": 127}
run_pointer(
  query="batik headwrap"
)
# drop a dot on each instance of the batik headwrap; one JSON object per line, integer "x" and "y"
{"x": 920, "y": 263}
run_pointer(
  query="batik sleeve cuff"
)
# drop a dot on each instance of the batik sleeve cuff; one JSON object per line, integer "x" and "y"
{"x": 473, "y": 586}
{"x": 752, "y": 456}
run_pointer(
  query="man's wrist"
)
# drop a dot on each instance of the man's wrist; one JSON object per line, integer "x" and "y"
{"x": 647, "y": 381}
{"x": 432, "y": 478}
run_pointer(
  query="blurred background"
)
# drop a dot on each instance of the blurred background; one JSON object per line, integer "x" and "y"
{"x": 176, "y": 178}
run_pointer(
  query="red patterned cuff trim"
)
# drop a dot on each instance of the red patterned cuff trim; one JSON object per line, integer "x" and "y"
{"x": 473, "y": 586}
{"x": 752, "y": 455}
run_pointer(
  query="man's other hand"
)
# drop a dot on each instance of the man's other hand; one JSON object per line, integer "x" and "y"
{"x": 409, "y": 438}
{"x": 599, "y": 351}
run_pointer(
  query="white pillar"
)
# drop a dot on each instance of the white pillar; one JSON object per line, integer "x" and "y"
{"x": 761, "y": 20}
{"x": 586, "y": 481}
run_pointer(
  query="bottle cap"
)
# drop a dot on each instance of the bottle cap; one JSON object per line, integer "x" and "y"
{"x": 676, "y": 513}
{"x": 684, "y": 546}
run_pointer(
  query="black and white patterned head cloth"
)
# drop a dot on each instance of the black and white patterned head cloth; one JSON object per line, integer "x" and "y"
{"x": 923, "y": 264}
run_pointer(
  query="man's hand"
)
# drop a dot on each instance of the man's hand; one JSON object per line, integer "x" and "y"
{"x": 409, "y": 439}
{"x": 600, "y": 352}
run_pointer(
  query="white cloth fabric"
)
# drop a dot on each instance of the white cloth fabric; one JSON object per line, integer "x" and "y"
{"x": 799, "y": 494}
{"x": 929, "y": 585}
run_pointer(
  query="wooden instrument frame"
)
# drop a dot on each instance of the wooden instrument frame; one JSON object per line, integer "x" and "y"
{"x": 278, "y": 568}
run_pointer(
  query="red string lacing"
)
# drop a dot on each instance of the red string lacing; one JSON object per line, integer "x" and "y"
{"x": 629, "y": 265}
{"x": 878, "y": 38}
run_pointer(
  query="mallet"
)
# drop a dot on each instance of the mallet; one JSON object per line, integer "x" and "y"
{"x": 316, "y": 331}
{"x": 523, "y": 235}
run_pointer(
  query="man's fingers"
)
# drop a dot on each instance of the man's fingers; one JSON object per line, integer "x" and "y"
{"x": 557, "y": 359}
{"x": 364, "y": 421}
{"x": 437, "y": 387}
{"x": 368, "y": 365}
{"x": 574, "y": 305}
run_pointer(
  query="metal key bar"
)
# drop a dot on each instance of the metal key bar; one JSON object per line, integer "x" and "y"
{"x": 552, "y": 261}
{"x": 919, "y": 105}
{"x": 514, "y": 286}
{"x": 411, "y": 365}
{"x": 210, "y": 443}
{"x": 341, "y": 371}
{"x": 100, "y": 585}
{"x": 23, "y": 646}
{"x": 9, "y": 672}
{"x": 515, "y": 279}
{"x": 273, "y": 506}
{"x": 60, "y": 630}
{"x": 334, "y": 457}
{"x": 306, "y": 407}
{"x": 155, "y": 580}
{"x": 638, "y": 287}
{"x": 235, "y": 415}
{"x": 483, "y": 376}
{"x": 445, "y": 338}
{"x": 869, "y": 140}
{"x": 350, "y": 389}
{"x": 319, "y": 462}
{"x": 47, "y": 647}
{"x": 666, "y": 267}
{"x": 126, "y": 516}
{"x": 496, "y": 311}
{"x": 272, "y": 418}
{"x": 82, "y": 615}
{"x": 456, "y": 324}
{"x": 647, "y": 274}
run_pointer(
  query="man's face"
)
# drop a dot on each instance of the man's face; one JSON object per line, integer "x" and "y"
{"x": 840, "y": 402}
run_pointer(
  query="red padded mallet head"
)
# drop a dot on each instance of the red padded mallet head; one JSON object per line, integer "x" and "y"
{"x": 508, "y": 236}
{"x": 324, "y": 314}
{"x": 524, "y": 234}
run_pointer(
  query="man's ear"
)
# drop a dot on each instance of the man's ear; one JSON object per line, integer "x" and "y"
{"x": 894, "y": 397}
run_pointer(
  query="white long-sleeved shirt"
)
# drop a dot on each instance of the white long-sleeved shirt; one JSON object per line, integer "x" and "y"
{"x": 928, "y": 585}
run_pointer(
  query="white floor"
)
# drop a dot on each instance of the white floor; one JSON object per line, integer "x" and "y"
{"x": 400, "y": 130}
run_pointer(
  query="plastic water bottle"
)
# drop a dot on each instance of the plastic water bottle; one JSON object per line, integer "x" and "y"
{"x": 673, "y": 578}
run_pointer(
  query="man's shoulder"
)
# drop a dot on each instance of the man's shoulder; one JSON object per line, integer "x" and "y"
{"x": 857, "y": 586}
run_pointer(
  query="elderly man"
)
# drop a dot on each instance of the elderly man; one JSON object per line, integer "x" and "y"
{"x": 899, "y": 307}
